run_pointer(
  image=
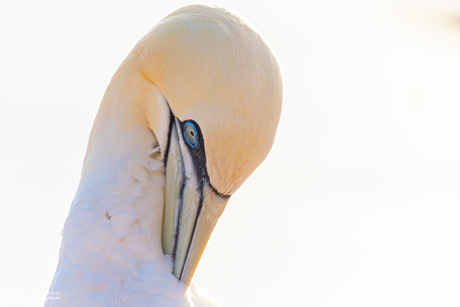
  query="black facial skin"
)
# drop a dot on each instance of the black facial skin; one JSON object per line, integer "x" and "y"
{"x": 197, "y": 152}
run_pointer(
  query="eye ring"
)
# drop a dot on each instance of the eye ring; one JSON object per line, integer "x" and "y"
{"x": 191, "y": 135}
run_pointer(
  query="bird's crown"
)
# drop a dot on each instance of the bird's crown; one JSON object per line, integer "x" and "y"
{"x": 217, "y": 70}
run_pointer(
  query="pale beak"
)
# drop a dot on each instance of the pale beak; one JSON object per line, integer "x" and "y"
{"x": 192, "y": 207}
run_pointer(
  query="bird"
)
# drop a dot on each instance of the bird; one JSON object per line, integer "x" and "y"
{"x": 188, "y": 116}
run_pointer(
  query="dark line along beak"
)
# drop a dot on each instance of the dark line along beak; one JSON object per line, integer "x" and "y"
{"x": 192, "y": 206}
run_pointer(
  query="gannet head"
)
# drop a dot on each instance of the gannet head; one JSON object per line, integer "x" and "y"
{"x": 223, "y": 87}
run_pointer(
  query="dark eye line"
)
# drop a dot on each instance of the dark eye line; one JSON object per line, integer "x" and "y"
{"x": 198, "y": 154}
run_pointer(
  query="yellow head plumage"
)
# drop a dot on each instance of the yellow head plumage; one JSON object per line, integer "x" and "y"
{"x": 216, "y": 69}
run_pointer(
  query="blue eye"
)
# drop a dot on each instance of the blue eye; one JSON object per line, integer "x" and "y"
{"x": 190, "y": 134}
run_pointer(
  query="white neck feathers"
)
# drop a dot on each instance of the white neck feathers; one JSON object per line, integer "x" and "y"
{"x": 111, "y": 250}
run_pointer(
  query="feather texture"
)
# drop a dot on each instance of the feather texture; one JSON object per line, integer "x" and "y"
{"x": 110, "y": 255}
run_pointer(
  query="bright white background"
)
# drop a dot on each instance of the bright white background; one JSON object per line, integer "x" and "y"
{"x": 358, "y": 204}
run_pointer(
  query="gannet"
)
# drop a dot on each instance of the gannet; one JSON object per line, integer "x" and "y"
{"x": 188, "y": 116}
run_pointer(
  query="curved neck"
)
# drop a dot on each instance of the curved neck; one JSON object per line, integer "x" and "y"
{"x": 112, "y": 236}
